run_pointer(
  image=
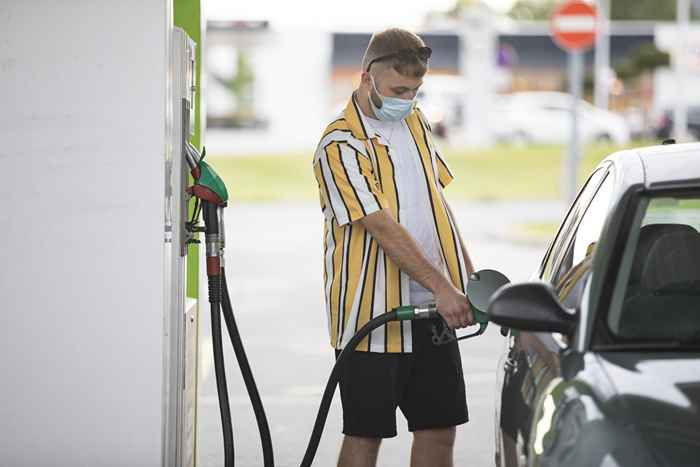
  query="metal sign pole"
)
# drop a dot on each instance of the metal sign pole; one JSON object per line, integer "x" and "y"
{"x": 602, "y": 56}
{"x": 574, "y": 150}
{"x": 680, "y": 64}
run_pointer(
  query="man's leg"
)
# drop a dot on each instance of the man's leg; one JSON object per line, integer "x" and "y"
{"x": 433, "y": 448}
{"x": 357, "y": 451}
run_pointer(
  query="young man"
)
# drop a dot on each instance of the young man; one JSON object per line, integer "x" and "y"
{"x": 391, "y": 240}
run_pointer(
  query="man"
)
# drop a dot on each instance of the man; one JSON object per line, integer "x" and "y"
{"x": 391, "y": 240}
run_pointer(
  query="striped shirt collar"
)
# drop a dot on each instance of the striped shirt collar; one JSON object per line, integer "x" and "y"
{"x": 357, "y": 121}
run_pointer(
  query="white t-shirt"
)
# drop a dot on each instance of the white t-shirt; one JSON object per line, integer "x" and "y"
{"x": 415, "y": 212}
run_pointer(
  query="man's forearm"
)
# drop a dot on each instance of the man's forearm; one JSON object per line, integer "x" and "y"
{"x": 403, "y": 250}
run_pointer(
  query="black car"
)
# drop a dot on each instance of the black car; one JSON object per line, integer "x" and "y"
{"x": 664, "y": 127}
{"x": 602, "y": 365}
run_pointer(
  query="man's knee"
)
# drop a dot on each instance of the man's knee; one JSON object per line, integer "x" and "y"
{"x": 439, "y": 436}
{"x": 363, "y": 443}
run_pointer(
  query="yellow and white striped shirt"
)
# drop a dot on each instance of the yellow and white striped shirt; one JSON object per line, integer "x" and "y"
{"x": 356, "y": 174}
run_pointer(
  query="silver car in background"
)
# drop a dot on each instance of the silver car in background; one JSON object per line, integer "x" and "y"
{"x": 544, "y": 118}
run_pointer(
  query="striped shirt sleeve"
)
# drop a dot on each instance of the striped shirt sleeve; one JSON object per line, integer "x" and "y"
{"x": 347, "y": 182}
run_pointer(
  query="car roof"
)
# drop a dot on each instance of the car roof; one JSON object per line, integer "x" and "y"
{"x": 662, "y": 166}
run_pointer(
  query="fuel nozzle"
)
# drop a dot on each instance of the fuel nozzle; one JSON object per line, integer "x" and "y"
{"x": 409, "y": 312}
{"x": 211, "y": 191}
{"x": 208, "y": 186}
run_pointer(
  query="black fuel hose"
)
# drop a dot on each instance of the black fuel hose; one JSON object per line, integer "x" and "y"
{"x": 334, "y": 377}
{"x": 248, "y": 379}
{"x": 221, "y": 387}
{"x": 211, "y": 225}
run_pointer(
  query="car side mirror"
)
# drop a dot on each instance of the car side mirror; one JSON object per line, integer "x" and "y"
{"x": 531, "y": 306}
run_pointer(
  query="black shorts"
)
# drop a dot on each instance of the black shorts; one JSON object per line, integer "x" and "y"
{"x": 427, "y": 385}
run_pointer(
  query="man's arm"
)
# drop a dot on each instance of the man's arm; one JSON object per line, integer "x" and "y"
{"x": 467, "y": 260}
{"x": 403, "y": 250}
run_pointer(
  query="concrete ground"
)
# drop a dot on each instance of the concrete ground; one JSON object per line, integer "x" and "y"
{"x": 274, "y": 271}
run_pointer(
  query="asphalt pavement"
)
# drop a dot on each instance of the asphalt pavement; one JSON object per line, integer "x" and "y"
{"x": 273, "y": 263}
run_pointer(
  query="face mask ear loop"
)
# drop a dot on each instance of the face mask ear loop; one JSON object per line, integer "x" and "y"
{"x": 376, "y": 91}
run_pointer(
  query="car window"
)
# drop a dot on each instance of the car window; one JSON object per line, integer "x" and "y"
{"x": 657, "y": 295}
{"x": 585, "y": 236}
{"x": 553, "y": 255}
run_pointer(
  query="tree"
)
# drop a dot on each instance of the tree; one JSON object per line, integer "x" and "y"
{"x": 532, "y": 9}
{"x": 646, "y": 58}
{"x": 643, "y": 10}
{"x": 461, "y": 5}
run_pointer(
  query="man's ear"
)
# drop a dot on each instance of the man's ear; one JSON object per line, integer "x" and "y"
{"x": 365, "y": 78}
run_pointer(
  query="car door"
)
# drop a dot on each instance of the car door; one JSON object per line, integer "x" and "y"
{"x": 532, "y": 360}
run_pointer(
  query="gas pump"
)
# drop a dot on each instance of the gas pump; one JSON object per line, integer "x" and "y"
{"x": 181, "y": 312}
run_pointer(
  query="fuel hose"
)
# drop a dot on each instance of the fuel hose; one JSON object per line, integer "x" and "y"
{"x": 247, "y": 373}
{"x": 221, "y": 304}
{"x": 221, "y": 386}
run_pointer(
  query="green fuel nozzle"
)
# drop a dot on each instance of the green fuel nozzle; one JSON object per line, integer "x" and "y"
{"x": 480, "y": 288}
{"x": 408, "y": 313}
{"x": 211, "y": 191}
{"x": 208, "y": 186}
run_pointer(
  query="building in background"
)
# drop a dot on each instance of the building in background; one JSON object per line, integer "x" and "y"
{"x": 260, "y": 77}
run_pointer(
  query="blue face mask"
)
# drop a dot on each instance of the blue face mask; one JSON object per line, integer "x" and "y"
{"x": 393, "y": 109}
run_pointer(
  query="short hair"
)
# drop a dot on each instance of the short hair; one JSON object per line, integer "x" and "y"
{"x": 391, "y": 41}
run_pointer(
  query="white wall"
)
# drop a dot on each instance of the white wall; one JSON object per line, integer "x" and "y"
{"x": 82, "y": 93}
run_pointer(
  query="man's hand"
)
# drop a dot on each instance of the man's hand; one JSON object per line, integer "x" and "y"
{"x": 400, "y": 246}
{"x": 453, "y": 306}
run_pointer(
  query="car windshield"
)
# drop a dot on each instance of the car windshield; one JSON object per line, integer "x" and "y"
{"x": 657, "y": 294}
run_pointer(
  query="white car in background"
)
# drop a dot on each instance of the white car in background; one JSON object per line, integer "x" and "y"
{"x": 545, "y": 118}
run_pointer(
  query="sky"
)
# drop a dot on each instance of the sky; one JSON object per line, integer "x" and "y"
{"x": 334, "y": 14}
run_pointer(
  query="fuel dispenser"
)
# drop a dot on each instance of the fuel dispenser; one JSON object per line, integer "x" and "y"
{"x": 181, "y": 312}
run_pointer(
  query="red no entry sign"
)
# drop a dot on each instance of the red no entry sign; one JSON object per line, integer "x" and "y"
{"x": 573, "y": 25}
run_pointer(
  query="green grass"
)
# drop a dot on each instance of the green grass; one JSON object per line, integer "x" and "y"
{"x": 501, "y": 173}
{"x": 268, "y": 177}
{"x": 504, "y": 172}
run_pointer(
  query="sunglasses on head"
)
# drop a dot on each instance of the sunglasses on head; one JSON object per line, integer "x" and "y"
{"x": 420, "y": 53}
